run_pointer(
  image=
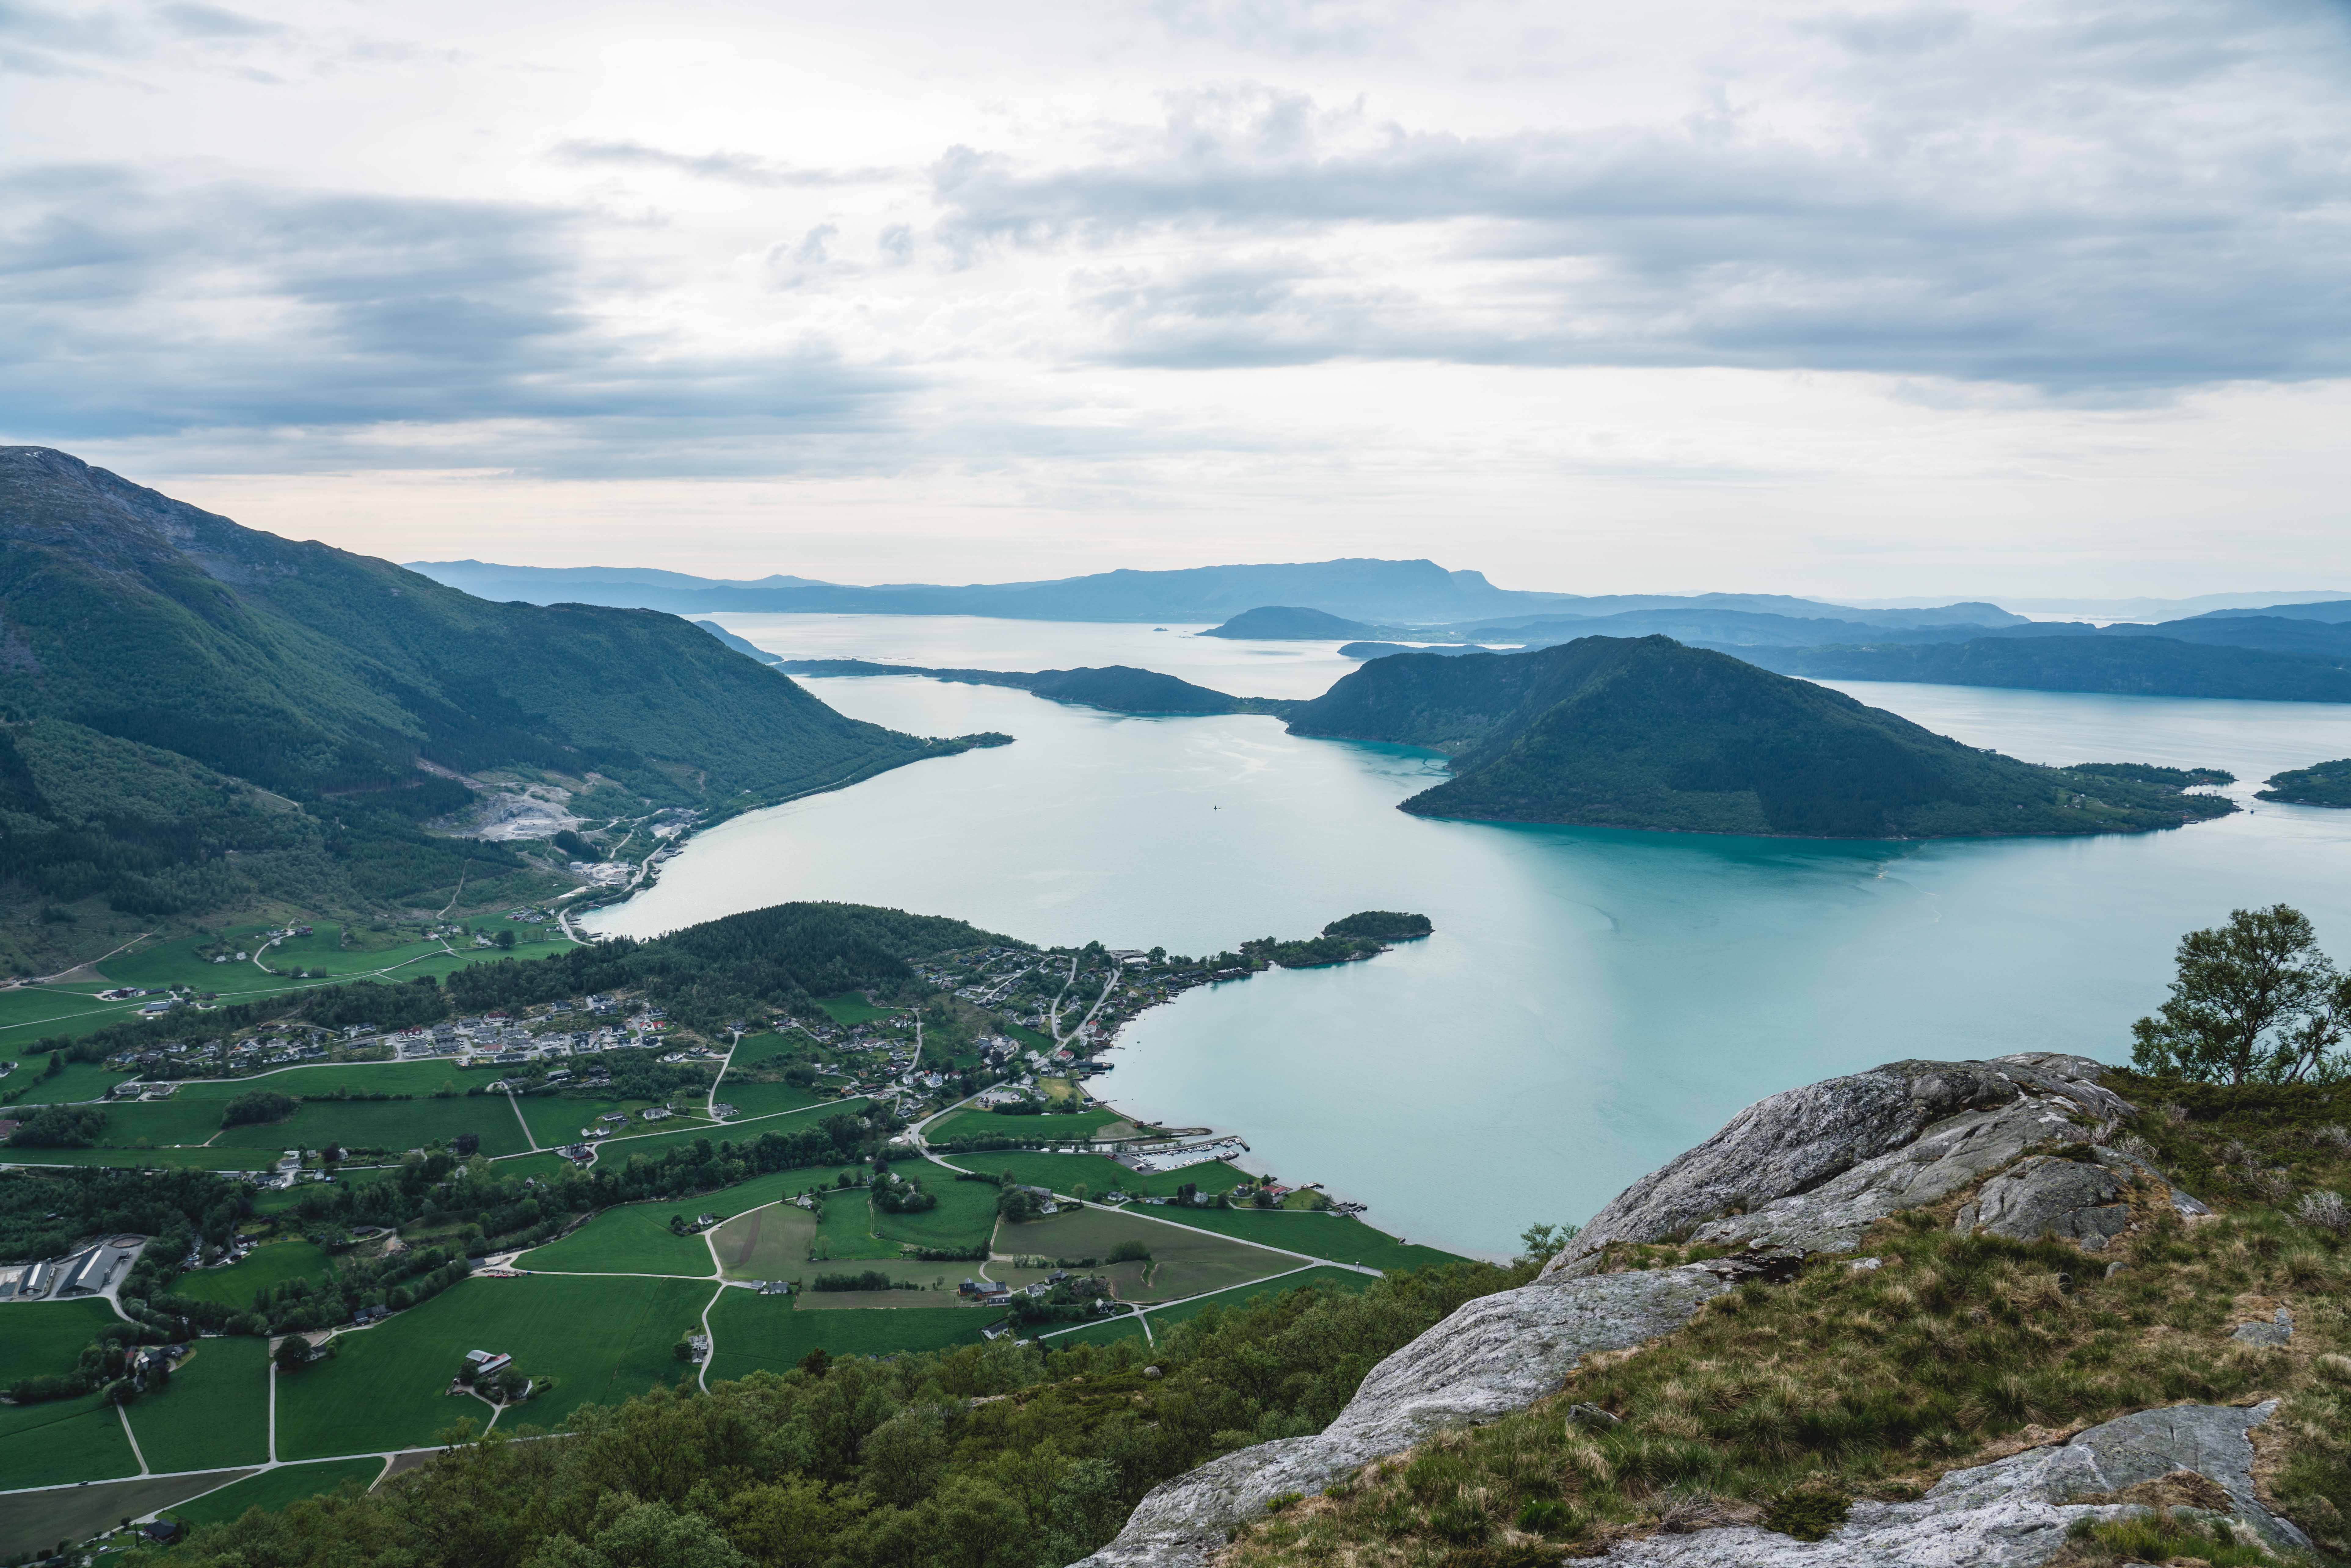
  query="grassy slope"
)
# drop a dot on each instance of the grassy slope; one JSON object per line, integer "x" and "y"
{"x": 1342, "y": 1238}
{"x": 215, "y": 1413}
{"x": 964, "y": 1217}
{"x": 1184, "y": 1261}
{"x": 605, "y": 1339}
{"x": 62, "y": 1440}
{"x": 845, "y": 1229}
{"x": 635, "y": 1238}
{"x": 1164, "y": 1318}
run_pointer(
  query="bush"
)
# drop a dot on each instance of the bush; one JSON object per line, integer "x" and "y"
{"x": 1808, "y": 1513}
{"x": 259, "y": 1105}
{"x": 59, "y": 1127}
{"x": 1130, "y": 1252}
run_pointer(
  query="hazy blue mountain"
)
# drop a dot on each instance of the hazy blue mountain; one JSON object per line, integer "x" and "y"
{"x": 1120, "y": 688}
{"x": 2338, "y": 609}
{"x": 740, "y": 644}
{"x": 1291, "y": 622}
{"x": 1646, "y": 733}
{"x": 2131, "y": 663}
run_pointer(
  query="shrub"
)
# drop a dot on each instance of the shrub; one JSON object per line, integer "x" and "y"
{"x": 2326, "y": 1210}
{"x": 259, "y": 1105}
{"x": 1807, "y": 1513}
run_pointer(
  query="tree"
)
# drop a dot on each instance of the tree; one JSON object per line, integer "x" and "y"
{"x": 2255, "y": 999}
{"x": 293, "y": 1353}
{"x": 506, "y": 938}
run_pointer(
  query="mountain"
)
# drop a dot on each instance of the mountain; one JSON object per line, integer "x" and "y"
{"x": 1290, "y": 623}
{"x": 2338, "y": 609}
{"x": 1387, "y": 594}
{"x": 1119, "y": 688}
{"x": 1646, "y": 733}
{"x": 1756, "y": 607}
{"x": 199, "y": 713}
{"x": 743, "y": 646}
{"x": 2136, "y": 664}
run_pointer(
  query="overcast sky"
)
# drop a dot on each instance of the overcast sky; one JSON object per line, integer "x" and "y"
{"x": 1852, "y": 299}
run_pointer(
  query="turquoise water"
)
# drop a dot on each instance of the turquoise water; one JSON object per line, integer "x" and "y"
{"x": 1593, "y": 1001}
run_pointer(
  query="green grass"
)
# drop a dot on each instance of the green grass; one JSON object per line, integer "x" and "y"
{"x": 1342, "y": 1238}
{"x": 1164, "y": 1318}
{"x": 1100, "y": 1172}
{"x": 755, "y": 1050}
{"x": 215, "y": 1413}
{"x": 1074, "y": 1127}
{"x": 29, "y": 1013}
{"x": 756, "y": 1333}
{"x": 43, "y": 1338}
{"x": 635, "y": 1238}
{"x": 966, "y": 1216}
{"x": 395, "y": 1124}
{"x": 844, "y": 1231}
{"x": 62, "y": 1440}
{"x": 764, "y": 1098}
{"x": 559, "y": 1119}
{"x": 545, "y": 1167}
{"x": 78, "y": 1080}
{"x": 616, "y": 1151}
{"x": 271, "y": 1264}
{"x": 133, "y": 1159}
{"x": 605, "y": 1339}
{"x": 1127, "y": 1327}
{"x": 850, "y": 1008}
{"x": 770, "y": 1243}
{"x": 273, "y": 1489}
{"x": 1184, "y": 1261}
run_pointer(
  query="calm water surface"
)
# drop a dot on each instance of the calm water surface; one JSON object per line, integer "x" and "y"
{"x": 1593, "y": 1001}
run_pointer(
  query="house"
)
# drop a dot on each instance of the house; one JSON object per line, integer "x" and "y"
{"x": 488, "y": 1363}
{"x": 705, "y": 1221}
{"x": 657, "y": 1112}
{"x": 162, "y": 1532}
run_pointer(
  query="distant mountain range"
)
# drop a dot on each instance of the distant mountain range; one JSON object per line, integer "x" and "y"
{"x": 1376, "y": 594}
{"x": 200, "y": 715}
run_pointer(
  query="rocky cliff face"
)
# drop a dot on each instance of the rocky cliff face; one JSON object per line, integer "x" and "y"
{"x": 1802, "y": 1172}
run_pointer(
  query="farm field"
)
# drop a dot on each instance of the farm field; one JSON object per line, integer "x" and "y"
{"x": 756, "y": 1049}
{"x": 75, "y": 1081}
{"x": 272, "y": 1264}
{"x": 605, "y": 1339}
{"x": 559, "y": 1119}
{"x": 62, "y": 1440}
{"x": 924, "y": 1295}
{"x": 1183, "y": 1262}
{"x": 844, "y": 1231}
{"x": 770, "y": 1243}
{"x": 43, "y": 1338}
{"x": 544, "y": 1166}
{"x": 1166, "y": 1318}
{"x": 764, "y": 1333}
{"x": 766, "y": 1098}
{"x": 130, "y": 1159}
{"x": 29, "y": 1013}
{"x": 1128, "y": 1327}
{"x": 1342, "y": 1238}
{"x": 618, "y": 1150}
{"x": 852, "y": 1008}
{"x": 386, "y": 1123}
{"x": 1073, "y": 1127}
{"x": 965, "y": 1216}
{"x": 215, "y": 1411}
{"x": 273, "y": 1489}
{"x": 635, "y": 1238}
{"x": 1100, "y": 1172}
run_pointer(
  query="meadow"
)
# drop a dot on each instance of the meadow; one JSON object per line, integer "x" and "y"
{"x": 635, "y": 1238}
{"x": 845, "y": 1229}
{"x": 1166, "y": 1318}
{"x": 1183, "y": 1261}
{"x": 73, "y": 1080}
{"x": 273, "y": 1489}
{"x": 740, "y": 1131}
{"x": 62, "y": 1440}
{"x": 556, "y": 1120}
{"x": 1098, "y": 1173}
{"x": 29, "y": 1013}
{"x": 1342, "y": 1238}
{"x": 756, "y": 1099}
{"x": 138, "y": 1158}
{"x": 770, "y": 1243}
{"x": 271, "y": 1264}
{"x": 42, "y": 1338}
{"x": 394, "y": 1124}
{"x": 756, "y": 1334}
{"x": 850, "y": 1009}
{"x": 966, "y": 1214}
{"x": 603, "y": 1339}
{"x": 1074, "y": 1127}
{"x": 215, "y": 1412}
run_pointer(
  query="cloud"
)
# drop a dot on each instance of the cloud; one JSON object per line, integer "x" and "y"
{"x": 332, "y": 322}
{"x": 2070, "y": 237}
{"x": 734, "y": 168}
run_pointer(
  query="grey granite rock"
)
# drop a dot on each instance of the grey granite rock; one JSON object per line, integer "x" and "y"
{"x": 1814, "y": 1167}
{"x": 2041, "y": 1196}
{"x": 2012, "y": 1513}
{"x": 1492, "y": 1356}
{"x": 2278, "y": 1330}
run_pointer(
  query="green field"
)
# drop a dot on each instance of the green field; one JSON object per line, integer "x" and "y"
{"x": 845, "y": 1230}
{"x": 850, "y": 1008}
{"x": 605, "y": 1339}
{"x": 1184, "y": 1261}
{"x": 559, "y": 1119}
{"x": 1075, "y": 1126}
{"x": 62, "y": 1440}
{"x": 393, "y": 1125}
{"x": 635, "y": 1238}
{"x": 1342, "y": 1238}
{"x": 215, "y": 1411}
{"x": 767, "y": 1099}
{"x": 1164, "y": 1318}
{"x": 545, "y": 1167}
{"x": 770, "y": 1243}
{"x": 966, "y": 1216}
{"x": 1100, "y": 1172}
{"x": 175, "y": 963}
{"x": 273, "y": 1489}
{"x": 618, "y": 1150}
{"x": 273, "y": 1264}
{"x": 754, "y": 1050}
{"x": 29, "y": 1013}
{"x": 76, "y": 1080}
{"x": 196, "y": 1158}
{"x": 756, "y": 1333}
{"x": 43, "y": 1338}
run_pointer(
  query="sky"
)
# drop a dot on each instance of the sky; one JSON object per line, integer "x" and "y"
{"x": 1845, "y": 300}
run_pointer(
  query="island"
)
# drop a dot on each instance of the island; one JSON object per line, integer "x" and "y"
{"x": 2322, "y": 784}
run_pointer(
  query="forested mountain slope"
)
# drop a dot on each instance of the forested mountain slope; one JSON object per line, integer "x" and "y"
{"x": 2128, "y": 664}
{"x": 161, "y": 667}
{"x": 1646, "y": 733}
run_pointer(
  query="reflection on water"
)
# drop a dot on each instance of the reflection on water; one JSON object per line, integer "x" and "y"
{"x": 1593, "y": 1001}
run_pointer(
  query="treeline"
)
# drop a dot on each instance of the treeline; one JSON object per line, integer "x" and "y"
{"x": 857, "y": 1463}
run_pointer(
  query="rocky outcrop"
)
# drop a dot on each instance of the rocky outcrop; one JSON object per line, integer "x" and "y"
{"x": 1494, "y": 1355}
{"x": 1814, "y": 1167}
{"x": 1806, "y": 1171}
{"x": 2277, "y": 1332}
{"x": 2014, "y": 1513}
